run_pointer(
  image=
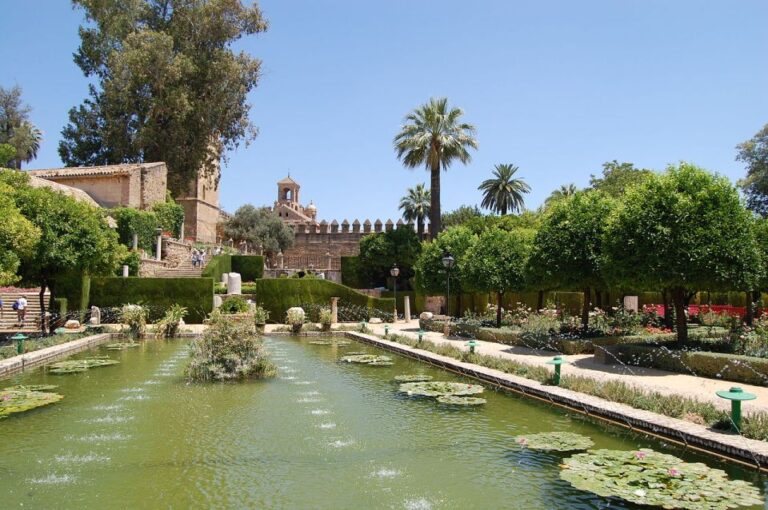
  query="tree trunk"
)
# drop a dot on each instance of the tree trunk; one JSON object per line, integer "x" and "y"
{"x": 43, "y": 285}
{"x": 749, "y": 315}
{"x": 585, "y": 309}
{"x": 756, "y": 300}
{"x": 420, "y": 229}
{"x": 599, "y": 299}
{"x": 667, "y": 315}
{"x": 435, "y": 221}
{"x": 458, "y": 305}
{"x": 540, "y": 301}
{"x": 678, "y": 298}
{"x": 607, "y": 297}
{"x": 499, "y": 296}
{"x": 504, "y": 210}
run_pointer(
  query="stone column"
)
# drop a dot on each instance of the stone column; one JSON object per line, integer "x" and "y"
{"x": 125, "y": 271}
{"x": 217, "y": 301}
{"x": 334, "y": 310}
{"x": 330, "y": 260}
{"x": 280, "y": 260}
{"x": 224, "y": 278}
{"x": 407, "y": 308}
{"x": 135, "y": 243}
{"x": 234, "y": 284}
{"x": 159, "y": 247}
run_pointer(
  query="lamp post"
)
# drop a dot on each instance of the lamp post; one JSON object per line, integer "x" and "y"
{"x": 448, "y": 263}
{"x": 395, "y": 272}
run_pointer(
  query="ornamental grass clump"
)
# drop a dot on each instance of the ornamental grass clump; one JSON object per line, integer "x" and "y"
{"x": 228, "y": 350}
{"x": 168, "y": 326}
{"x": 135, "y": 317}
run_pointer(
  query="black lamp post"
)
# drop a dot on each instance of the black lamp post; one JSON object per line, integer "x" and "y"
{"x": 395, "y": 272}
{"x": 448, "y": 263}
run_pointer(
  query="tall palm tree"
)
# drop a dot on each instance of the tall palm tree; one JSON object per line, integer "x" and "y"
{"x": 564, "y": 191}
{"x": 415, "y": 206}
{"x": 504, "y": 193}
{"x": 433, "y": 135}
{"x": 26, "y": 140}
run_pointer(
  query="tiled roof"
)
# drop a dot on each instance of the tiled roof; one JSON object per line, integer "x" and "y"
{"x": 287, "y": 180}
{"x": 85, "y": 171}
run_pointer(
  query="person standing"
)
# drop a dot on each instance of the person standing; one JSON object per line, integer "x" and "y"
{"x": 21, "y": 310}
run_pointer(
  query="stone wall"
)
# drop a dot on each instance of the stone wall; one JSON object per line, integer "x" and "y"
{"x": 149, "y": 268}
{"x": 200, "y": 219}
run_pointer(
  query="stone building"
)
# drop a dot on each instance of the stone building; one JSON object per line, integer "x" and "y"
{"x": 141, "y": 185}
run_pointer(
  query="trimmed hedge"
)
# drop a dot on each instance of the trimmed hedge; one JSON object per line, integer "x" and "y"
{"x": 196, "y": 294}
{"x": 731, "y": 367}
{"x": 218, "y": 265}
{"x": 279, "y": 294}
{"x": 75, "y": 289}
{"x": 250, "y": 267}
{"x": 350, "y": 272}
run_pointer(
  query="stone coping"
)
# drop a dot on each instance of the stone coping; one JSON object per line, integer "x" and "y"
{"x": 745, "y": 451}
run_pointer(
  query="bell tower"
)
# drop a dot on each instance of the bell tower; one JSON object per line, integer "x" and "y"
{"x": 288, "y": 192}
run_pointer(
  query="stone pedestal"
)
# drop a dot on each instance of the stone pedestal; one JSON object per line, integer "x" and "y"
{"x": 234, "y": 283}
{"x": 407, "y": 308}
{"x": 224, "y": 278}
{"x": 216, "y": 301}
{"x": 159, "y": 253}
{"x": 334, "y": 310}
{"x": 135, "y": 242}
{"x": 126, "y": 271}
{"x": 631, "y": 303}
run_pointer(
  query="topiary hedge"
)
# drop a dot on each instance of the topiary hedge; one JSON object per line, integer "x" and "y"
{"x": 250, "y": 267}
{"x": 350, "y": 272}
{"x": 731, "y": 367}
{"x": 218, "y": 265}
{"x": 277, "y": 295}
{"x": 196, "y": 294}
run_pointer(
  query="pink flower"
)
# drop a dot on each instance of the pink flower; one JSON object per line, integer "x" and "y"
{"x": 640, "y": 455}
{"x": 522, "y": 440}
{"x": 673, "y": 472}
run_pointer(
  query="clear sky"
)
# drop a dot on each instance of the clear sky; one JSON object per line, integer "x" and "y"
{"x": 556, "y": 87}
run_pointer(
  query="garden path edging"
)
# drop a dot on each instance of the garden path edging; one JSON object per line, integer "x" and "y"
{"x": 745, "y": 451}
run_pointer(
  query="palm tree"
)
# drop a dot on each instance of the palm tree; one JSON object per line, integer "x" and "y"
{"x": 434, "y": 136}
{"x": 564, "y": 191}
{"x": 415, "y": 206}
{"x": 504, "y": 193}
{"x": 26, "y": 140}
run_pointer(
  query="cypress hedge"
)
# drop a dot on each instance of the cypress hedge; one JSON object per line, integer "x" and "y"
{"x": 217, "y": 266}
{"x": 279, "y": 294}
{"x": 350, "y": 272}
{"x": 250, "y": 267}
{"x": 158, "y": 294}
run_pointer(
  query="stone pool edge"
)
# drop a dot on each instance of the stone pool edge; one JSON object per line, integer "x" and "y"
{"x": 17, "y": 364}
{"x": 750, "y": 452}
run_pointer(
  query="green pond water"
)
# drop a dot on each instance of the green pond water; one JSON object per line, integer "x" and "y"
{"x": 323, "y": 435}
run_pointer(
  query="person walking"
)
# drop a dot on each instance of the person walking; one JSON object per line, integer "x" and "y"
{"x": 21, "y": 310}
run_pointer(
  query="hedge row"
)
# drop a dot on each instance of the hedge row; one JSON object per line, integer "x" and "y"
{"x": 196, "y": 294}
{"x": 350, "y": 272}
{"x": 279, "y": 294}
{"x": 250, "y": 267}
{"x": 218, "y": 265}
{"x": 743, "y": 369}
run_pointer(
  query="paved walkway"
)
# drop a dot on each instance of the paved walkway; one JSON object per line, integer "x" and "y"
{"x": 667, "y": 383}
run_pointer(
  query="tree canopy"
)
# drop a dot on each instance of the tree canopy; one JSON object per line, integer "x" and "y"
{"x": 504, "y": 192}
{"x": 18, "y": 236}
{"x": 415, "y": 206}
{"x": 618, "y": 177}
{"x": 754, "y": 153}
{"x": 496, "y": 262}
{"x": 461, "y": 215}
{"x": 16, "y": 131}
{"x": 169, "y": 86}
{"x": 684, "y": 230}
{"x": 380, "y": 251}
{"x": 259, "y": 225}
{"x": 435, "y": 136}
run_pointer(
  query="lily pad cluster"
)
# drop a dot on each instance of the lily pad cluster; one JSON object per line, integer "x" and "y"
{"x": 340, "y": 343}
{"x": 647, "y": 477}
{"x": 439, "y": 389}
{"x": 368, "y": 359}
{"x": 80, "y": 365}
{"x": 461, "y": 401}
{"x": 17, "y": 399}
{"x": 121, "y": 346}
{"x": 554, "y": 441}
{"x": 412, "y": 378}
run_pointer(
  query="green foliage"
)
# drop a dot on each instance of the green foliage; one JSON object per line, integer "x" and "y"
{"x": 135, "y": 317}
{"x": 250, "y": 267}
{"x": 380, "y": 251}
{"x": 18, "y": 236}
{"x": 754, "y": 154}
{"x": 18, "y": 399}
{"x": 80, "y": 365}
{"x": 168, "y": 85}
{"x": 260, "y": 315}
{"x": 229, "y": 350}
{"x": 439, "y": 388}
{"x": 20, "y": 139}
{"x": 431, "y": 275}
{"x": 415, "y": 206}
{"x": 133, "y": 221}
{"x": 461, "y": 216}
{"x": 618, "y": 178}
{"x": 434, "y": 136}
{"x": 234, "y": 304}
{"x": 554, "y": 441}
{"x": 133, "y": 261}
{"x": 504, "y": 193}
{"x": 367, "y": 359}
{"x": 277, "y": 295}
{"x": 218, "y": 265}
{"x": 350, "y": 272}
{"x": 158, "y": 294}
{"x": 259, "y": 226}
{"x": 170, "y": 216}
{"x": 646, "y": 477}
{"x": 563, "y": 192}
{"x": 525, "y": 223}
{"x": 168, "y": 326}
{"x": 7, "y": 152}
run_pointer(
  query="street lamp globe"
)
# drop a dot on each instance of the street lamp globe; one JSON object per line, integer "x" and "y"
{"x": 448, "y": 261}
{"x": 395, "y": 271}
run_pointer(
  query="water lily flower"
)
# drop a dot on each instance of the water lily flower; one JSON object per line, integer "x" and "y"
{"x": 640, "y": 455}
{"x": 673, "y": 472}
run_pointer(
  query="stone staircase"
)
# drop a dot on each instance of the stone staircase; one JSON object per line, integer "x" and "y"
{"x": 183, "y": 270}
{"x": 8, "y": 320}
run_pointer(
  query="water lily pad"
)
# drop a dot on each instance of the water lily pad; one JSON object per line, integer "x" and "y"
{"x": 32, "y": 387}
{"x": 412, "y": 378}
{"x": 19, "y": 400}
{"x": 80, "y": 365}
{"x": 440, "y": 388}
{"x": 320, "y": 342}
{"x": 121, "y": 346}
{"x": 651, "y": 478}
{"x": 554, "y": 441}
{"x": 356, "y": 353}
{"x": 366, "y": 358}
{"x": 461, "y": 401}
{"x": 380, "y": 363}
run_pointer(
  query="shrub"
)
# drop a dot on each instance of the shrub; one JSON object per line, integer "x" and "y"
{"x": 234, "y": 304}
{"x": 538, "y": 331}
{"x": 260, "y": 315}
{"x": 228, "y": 350}
{"x": 326, "y": 318}
{"x": 350, "y": 272}
{"x": 250, "y": 267}
{"x": 168, "y": 326}
{"x": 135, "y": 317}
{"x": 218, "y": 265}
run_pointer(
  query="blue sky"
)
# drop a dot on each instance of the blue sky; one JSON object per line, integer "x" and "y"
{"x": 554, "y": 87}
